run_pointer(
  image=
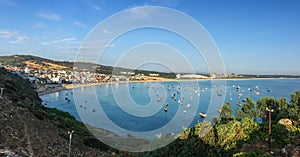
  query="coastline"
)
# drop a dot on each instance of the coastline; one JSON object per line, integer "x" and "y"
{"x": 43, "y": 90}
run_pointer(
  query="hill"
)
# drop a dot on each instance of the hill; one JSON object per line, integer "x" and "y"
{"x": 34, "y": 62}
{"x": 30, "y": 129}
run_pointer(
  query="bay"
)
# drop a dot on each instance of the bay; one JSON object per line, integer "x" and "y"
{"x": 139, "y": 106}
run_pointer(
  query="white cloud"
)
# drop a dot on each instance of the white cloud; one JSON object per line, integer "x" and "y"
{"x": 94, "y": 6}
{"x": 13, "y": 35}
{"x": 65, "y": 40}
{"x": 79, "y": 24}
{"x": 49, "y": 15}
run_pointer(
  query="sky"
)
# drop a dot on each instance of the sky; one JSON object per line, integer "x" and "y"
{"x": 253, "y": 36}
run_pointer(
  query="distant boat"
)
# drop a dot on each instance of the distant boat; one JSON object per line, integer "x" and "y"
{"x": 159, "y": 99}
{"x": 239, "y": 104}
{"x": 180, "y": 102}
{"x": 203, "y": 115}
{"x": 165, "y": 109}
{"x": 240, "y": 95}
{"x": 188, "y": 105}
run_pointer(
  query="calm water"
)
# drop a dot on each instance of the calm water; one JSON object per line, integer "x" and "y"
{"x": 139, "y": 107}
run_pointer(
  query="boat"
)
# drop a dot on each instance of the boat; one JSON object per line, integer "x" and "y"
{"x": 167, "y": 104}
{"x": 240, "y": 95}
{"x": 239, "y": 104}
{"x": 203, "y": 115}
{"x": 165, "y": 109}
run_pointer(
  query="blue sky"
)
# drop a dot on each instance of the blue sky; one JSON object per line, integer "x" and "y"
{"x": 253, "y": 36}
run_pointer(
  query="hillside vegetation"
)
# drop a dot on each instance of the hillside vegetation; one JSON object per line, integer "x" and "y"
{"x": 30, "y": 129}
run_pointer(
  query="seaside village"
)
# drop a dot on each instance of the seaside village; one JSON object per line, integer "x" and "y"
{"x": 56, "y": 78}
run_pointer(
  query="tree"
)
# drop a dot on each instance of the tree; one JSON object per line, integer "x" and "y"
{"x": 295, "y": 99}
{"x": 249, "y": 108}
{"x": 281, "y": 110}
{"x": 282, "y": 104}
{"x": 261, "y": 106}
{"x": 226, "y": 112}
{"x": 239, "y": 114}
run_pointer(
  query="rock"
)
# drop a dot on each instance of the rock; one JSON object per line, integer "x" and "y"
{"x": 285, "y": 122}
{"x": 292, "y": 151}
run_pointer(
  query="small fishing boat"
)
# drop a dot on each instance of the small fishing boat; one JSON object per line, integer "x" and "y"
{"x": 188, "y": 105}
{"x": 165, "y": 109}
{"x": 203, "y": 115}
{"x": 240, "y": 95}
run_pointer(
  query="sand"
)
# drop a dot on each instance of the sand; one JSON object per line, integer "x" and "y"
{"x": 43, "y": 90}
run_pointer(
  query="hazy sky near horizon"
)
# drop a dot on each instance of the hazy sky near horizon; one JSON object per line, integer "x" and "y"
{"x": 253, "y": 36}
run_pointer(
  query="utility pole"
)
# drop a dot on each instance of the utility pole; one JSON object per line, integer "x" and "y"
{"x": 70, "y": 141}
{"x": 270, "y": 127}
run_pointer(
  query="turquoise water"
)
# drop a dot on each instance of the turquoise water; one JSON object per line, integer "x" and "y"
{"x": 195, "y": 97}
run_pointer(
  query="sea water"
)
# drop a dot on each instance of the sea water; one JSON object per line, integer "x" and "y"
{"x": 139, "y": 106}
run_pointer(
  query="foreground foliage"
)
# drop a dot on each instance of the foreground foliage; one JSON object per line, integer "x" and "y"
{"x": 241, "y": 135}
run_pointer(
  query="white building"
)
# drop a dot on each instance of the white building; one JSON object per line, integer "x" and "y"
{"x": 191, "y": 76}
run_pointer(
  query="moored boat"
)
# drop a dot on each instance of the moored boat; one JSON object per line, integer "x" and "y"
{"x": 203, "y": 115}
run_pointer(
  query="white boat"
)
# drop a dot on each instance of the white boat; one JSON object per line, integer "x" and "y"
{"x": 188, "y": 105}
{"x": 203, "y": 115}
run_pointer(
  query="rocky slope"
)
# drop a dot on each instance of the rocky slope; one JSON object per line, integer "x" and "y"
{"x": 29, "y": 129}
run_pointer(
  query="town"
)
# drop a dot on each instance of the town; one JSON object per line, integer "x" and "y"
{"x": 57, "y": 75}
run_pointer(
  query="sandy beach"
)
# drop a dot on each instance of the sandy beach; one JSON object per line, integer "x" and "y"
{"x": 44, "y": 90}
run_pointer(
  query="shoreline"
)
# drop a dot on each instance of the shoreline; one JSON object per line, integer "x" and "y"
{"x": 44, "y": 91}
